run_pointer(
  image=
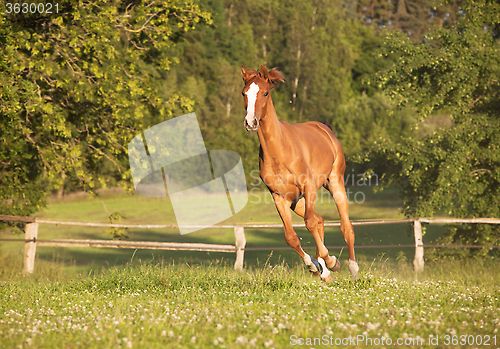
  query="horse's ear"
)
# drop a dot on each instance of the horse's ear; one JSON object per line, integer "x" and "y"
{"x": 247, "y": 74}
{"x": 244, "y": 73}
{"x": 276, "y": 76}
{"x": 264, "y": 74}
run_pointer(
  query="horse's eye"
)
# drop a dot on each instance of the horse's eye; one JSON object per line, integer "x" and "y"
{"x": 265, "y": 94}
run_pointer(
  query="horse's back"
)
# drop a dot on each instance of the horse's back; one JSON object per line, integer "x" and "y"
{"x": 315, "y": 143}
{"x": 314, "y": 133}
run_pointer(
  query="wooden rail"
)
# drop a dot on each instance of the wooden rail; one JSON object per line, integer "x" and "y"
{"x": 31, "y": 237}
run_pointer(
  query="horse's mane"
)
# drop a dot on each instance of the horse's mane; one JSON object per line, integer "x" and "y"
{"x": 276, "y": 75}
{"x": 273, "y": 76}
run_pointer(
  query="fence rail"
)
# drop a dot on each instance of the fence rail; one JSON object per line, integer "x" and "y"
{"x": 31, "y": 237}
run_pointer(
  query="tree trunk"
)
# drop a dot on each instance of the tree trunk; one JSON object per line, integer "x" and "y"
{"x": 60, "y": 191}
{"x": 228, "y": 109}
{"x": 264, "y": 36}
{"x": 303, "y": 102}
{"x": 296, "y": 81}
{"x": 230, "y": 14}
{"x": 401, "y": 12}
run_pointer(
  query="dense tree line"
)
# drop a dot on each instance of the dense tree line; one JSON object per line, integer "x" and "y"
{"x": 408, "y": 86}
{"x": 325, "y": 54}
{"x": 78, "y": 84}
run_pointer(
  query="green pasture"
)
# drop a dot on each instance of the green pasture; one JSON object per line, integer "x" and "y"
{"x": 107, "y": 298}
{"x": 366, "y": 204}
{"x": 209, "y": 305}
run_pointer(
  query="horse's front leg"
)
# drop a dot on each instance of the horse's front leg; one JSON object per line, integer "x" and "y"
{"x": 283, "y": 207}
{"x": 331, "y": 262}
{"x": 315, "y": 224}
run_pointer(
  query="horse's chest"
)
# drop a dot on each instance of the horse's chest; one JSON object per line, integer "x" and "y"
{"x": 282, "y": 182}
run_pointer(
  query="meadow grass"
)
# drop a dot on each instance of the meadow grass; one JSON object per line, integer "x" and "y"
{"x": 106, "y": 298}
{"x": 167, "y": 305}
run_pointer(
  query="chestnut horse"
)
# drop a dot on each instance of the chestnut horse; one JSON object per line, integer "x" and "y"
{"x": 295, "y": 161}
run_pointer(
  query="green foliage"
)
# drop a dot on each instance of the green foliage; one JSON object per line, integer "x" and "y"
{"x": 455, "y": 70}
{"x": 313, "y": 34}
{"x": 369, "y": 59}
{"x": 411, "y": 17}
{"x": 76, "y": 85}
{"x": 455, "y": 170}
{"x": 364, "y": 120}
{"x": 301, "y": 38}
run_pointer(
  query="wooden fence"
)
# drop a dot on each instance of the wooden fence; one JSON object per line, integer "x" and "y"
{"x": 31, "y": 237}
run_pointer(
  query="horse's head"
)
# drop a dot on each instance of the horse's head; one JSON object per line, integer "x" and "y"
{"x": 256, "y": 93}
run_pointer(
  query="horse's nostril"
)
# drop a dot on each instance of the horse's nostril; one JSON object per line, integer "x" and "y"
{"x": 252, "y": 125}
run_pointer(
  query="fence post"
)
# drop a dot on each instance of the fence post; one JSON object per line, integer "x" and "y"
{"x": 30, "y": 247}
{"x": 240, "y": 242}
{"x": 418, "y": 263}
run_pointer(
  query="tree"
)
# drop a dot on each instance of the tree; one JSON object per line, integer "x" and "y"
{"x": 455, "y": 170}
{"x": 412, "y": 17}
{"x": 77, "y": 85}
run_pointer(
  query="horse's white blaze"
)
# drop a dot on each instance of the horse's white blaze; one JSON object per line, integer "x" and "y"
{"x": 252, "y": 98}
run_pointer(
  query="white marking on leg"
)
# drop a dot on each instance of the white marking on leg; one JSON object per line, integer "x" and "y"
{"x": 308, "y": 262}
{"x": 307, "y": 259}
{"x": 353, "y": 268}
{"x": 252, "y": 98}
{"x": 325, "y": 272}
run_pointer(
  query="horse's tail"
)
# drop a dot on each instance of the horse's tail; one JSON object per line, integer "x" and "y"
{"x": 328, "y": 125}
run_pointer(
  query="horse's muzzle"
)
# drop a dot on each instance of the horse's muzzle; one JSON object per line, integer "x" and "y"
{"x": 252, "y": 127}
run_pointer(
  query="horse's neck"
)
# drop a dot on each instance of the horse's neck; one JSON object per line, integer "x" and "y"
{"x": 271, "y": 133}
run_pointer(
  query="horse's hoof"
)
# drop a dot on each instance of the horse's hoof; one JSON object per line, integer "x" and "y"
{"x": 327, "y": 279}
{"x": 336, "y": 265}
{"x": 326, "y": 276}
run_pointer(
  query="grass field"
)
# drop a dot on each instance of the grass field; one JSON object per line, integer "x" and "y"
{"x": 146, "y": 305}
{"x": 106, "y": 298}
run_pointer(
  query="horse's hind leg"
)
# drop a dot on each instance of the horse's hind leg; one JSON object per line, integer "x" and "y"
{"x": 335, "y": 185}
{"x": 283, "y": 207}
